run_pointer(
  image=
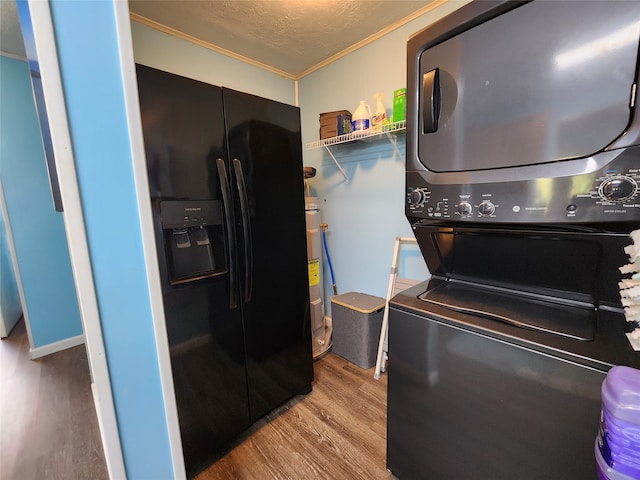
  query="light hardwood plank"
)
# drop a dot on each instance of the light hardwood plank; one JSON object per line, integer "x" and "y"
{"x": 48, "y": 424}
{"x": 338, "y": 431}
{"x": 49, "y": 429}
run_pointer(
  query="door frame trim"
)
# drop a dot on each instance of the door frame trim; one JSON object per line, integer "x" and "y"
{"x": 141, "y": 181}
{"x": 16, "y": 270}
{"x": 45, "y": 44}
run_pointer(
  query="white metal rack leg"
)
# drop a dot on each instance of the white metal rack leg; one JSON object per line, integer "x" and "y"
{"x": 383, "y": 345}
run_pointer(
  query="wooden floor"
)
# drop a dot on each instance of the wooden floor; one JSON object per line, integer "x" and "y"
{"x": 338, "y": 431}
{"x": 48, "y": 427}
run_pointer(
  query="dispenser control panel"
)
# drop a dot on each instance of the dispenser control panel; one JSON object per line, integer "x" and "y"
{"x": 190, "y": 213}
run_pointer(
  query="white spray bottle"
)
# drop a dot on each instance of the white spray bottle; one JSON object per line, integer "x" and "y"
{"x": 380, "y": 117}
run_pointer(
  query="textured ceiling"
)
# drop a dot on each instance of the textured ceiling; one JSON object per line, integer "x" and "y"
{"x": 290, "y": 37}
{"x": 10, "y": 33}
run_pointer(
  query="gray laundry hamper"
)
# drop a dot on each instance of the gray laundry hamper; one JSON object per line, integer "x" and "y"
{"x": 357, "y": 320}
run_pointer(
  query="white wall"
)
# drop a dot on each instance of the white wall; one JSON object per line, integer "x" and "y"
{"x": 366, "y": 215}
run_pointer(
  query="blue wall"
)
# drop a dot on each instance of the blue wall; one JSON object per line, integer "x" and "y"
{"x": 38, "y": 230}
{"x": 87, "y": 44}
{"x": 172, "y": 54}
{"x": 366, "y": 215}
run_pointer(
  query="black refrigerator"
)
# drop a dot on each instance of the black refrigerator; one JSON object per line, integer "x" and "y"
{"x": 227, "y": 195}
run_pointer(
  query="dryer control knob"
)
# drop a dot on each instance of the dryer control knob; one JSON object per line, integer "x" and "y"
{"x": 416, "y": 197}
{"x": 464, "y": 209}
{"x": 486, "y": 208}
{"x": 618, "y": 188}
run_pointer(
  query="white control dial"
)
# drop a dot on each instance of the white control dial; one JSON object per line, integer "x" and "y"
{"x": 464, "y": 209}
{"x": 618, "y": 189}
{"x": 486, "y": 208}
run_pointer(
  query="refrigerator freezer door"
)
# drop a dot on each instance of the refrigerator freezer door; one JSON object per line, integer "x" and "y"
{"x": 184, "y": 134}
{"x": 207, "y": 362}
{"x": 264, "y": 136}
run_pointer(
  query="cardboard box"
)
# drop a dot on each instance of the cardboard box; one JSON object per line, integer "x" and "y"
{"x": 333, "y": 124}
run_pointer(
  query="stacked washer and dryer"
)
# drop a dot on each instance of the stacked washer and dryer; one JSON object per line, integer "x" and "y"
{"x": 523, "y": 185}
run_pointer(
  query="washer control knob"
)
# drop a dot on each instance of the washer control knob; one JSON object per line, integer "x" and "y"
{"x": 618, "y": 188}
{"x": 486, "y": 208}
{"x": 416, "y": 197}
{"x": 464, "y": 209}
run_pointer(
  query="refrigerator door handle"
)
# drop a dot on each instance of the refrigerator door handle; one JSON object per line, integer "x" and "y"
{"x": 246, "y": 227}
{"x": 226, "y": 200}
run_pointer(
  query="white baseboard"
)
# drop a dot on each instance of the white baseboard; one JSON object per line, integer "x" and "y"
{"x": 55, "y": 347}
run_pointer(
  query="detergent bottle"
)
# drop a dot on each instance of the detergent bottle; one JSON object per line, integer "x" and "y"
{"x": 361, "y": 118}
{"x": 380, "y": 117}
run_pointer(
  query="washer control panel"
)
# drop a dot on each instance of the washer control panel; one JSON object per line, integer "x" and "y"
{"x": 607, "y": 195}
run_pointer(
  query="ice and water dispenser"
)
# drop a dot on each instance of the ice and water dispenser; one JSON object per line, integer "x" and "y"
{"x": 194, "y": 239}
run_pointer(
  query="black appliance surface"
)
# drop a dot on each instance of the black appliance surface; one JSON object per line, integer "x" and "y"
{"x": 522, "y": 186}
{"x": 473, "y": 398}
{"x": 226, "y": 182}
{"x": 495, "y": 364}
{"x": 521, "y": 112}
{"x": 576, "y": 267}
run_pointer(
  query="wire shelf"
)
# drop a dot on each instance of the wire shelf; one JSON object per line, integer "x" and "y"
{"x": 397, "y": 127}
